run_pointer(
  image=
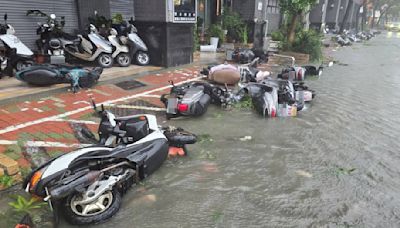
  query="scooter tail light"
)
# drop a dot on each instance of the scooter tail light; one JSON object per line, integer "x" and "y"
{"x": 183, "y": 107}
{"x": 273, "y": 113}
{"x": 300, "y": 74}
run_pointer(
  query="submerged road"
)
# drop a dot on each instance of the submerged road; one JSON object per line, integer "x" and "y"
{"x": 336, "y": 165}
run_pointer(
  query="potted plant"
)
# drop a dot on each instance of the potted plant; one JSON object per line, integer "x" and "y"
{"x": 216, "y": 33}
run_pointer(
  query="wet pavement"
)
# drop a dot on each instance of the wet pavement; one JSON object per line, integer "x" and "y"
{"x": 335, "y": 165}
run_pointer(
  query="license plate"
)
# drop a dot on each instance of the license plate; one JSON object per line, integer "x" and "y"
{"x": 172, "y": 105}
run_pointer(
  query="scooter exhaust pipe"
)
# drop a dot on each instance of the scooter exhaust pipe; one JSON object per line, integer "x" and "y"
{"x": 62, "y": 191}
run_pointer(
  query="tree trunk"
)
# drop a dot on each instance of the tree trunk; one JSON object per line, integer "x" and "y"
{"x": 292, "y": 28}
{"x": 373, "y": 19}
{"x": 346, "y": 15}
{"x": 364, "y": 16}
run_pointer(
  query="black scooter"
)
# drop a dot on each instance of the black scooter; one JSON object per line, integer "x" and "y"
{"x": 193, "y": 99}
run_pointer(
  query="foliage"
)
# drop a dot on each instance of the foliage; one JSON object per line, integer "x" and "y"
{"x": 117, "y": 18}
{"x": 100, "y": 21}
{"x": 244, "y": 34}
{"x": 6, "y": 181}
{"x": 277, "y": 36}
{"x": 295, "y": 6}
{"x": 232, "y": 22}
{"x": 246, "y": 103}
{"x": 308, "y": 42}
{"x": 23, "y": 205}
{"x": 294, "y": 9}
{"x": 216, "y": 31}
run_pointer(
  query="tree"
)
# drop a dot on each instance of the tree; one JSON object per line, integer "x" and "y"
{"x": 385, "y": 7}
{"x": 295, "y": 8}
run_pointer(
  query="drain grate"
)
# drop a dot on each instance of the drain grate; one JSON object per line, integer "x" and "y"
{"x": 130, "y": 85}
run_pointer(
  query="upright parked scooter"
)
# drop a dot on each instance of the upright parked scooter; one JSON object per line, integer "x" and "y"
{"x": 18, "y": 55}
{"x": 137, "y": 47}
{"x": 91, "y": 47}
{"x": 121, "y": 51}
{"x": 49, "y": 41}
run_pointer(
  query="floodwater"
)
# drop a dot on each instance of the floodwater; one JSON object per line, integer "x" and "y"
{"x": 336, "y": 165}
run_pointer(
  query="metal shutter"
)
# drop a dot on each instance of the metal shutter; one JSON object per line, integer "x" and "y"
{"x": 124, "y": 7}
{"x": 25, "y": 26}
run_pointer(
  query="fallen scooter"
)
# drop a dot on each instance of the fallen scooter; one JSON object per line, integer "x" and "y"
{"x": 276, "y": 97}
{"x": 46, "y": 74}
{"x": 87, "y": 184}
{"x": 193, "y": 99}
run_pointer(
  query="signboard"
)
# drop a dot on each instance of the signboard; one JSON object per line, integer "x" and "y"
{"x": 185, "y": 11}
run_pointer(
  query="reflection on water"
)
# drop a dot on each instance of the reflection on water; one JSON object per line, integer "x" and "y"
{"x": 336, "y": 165}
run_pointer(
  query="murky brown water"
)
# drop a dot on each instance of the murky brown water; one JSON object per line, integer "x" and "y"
{"x": 336, "y": 165}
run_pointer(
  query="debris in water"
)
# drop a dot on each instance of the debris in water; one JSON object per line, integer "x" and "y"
{"x": 304, "y": 173}
{"x": 246, "y": 138}
{"x": 150, "y": 198}
{"x": 344, "y": 171}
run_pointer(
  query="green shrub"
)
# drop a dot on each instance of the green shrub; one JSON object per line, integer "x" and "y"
{"x": 308, "y": 42}
{"x": 232, "y": 21}
{"x": 23, "y": 205}
{"x": 216, "y": 31}
{"x": 6, "y": 181}
{"x": 277, "y": 36}
{"x": 244, "y": 34}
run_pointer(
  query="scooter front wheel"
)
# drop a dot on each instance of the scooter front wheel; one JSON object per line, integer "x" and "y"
{"x": 103, "y": 208}
{"x": 142, "y": 58}
{"x": 123, "y": 59}
{"x": 105, "y": 60}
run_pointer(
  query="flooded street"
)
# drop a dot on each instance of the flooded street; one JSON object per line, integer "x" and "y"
{"x": 335, "y": 165}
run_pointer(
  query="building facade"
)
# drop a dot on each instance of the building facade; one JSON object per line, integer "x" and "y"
{"x": 331, "y": 13}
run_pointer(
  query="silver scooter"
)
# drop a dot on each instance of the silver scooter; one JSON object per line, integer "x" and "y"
{"x": 91, "y": 48}
{"x": 121, "y": 50}
{"x": 21, "y": 56}
{"x": 137, "y": 47}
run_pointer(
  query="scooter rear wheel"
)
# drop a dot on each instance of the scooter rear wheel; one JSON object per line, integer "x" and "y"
{"x": 105, "y": 60}
{"x": 123, "y": 59}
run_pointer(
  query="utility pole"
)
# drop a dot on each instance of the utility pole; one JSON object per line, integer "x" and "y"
{"x": 323, "y": 19}
{"x": 352, "y": 14}
{"x": 337, "y": 15}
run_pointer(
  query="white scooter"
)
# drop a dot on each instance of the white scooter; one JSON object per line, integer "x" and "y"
{"x": 21, "y": 56}
{"x": 91, "y": 48}
{"x": 121, "y": 52}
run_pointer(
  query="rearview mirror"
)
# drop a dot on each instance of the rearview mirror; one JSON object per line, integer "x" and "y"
{"x": 62, "y": 21}
{"x": 5, "y": 17}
